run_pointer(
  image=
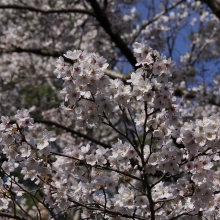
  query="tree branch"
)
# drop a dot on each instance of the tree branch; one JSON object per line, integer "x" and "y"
{"x": 106, "y": 25}
{"x": 99, "y": 166}
{"x": 48, "y": 11}
{"x": 214, "y": 5}
{"x": 42, "y": 52}
{"x": 156, "y": 18}
{"x": 52, "y": 123}
{"x": 12, "y": 216}
{"x": 117, "y": 75}
{"x": 96, "y": 206}
{"x": 56, "y": 54}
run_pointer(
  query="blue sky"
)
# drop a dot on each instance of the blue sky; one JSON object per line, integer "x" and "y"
{"x": 182, "y": 43}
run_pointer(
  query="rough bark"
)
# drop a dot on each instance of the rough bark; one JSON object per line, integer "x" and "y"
{"x": 115, "y": 37}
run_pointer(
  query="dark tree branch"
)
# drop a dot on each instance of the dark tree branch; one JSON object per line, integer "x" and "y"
{"x": 98, "y": 207}
{"x": 72, "y": 132}
{"x": 42, "y": 52}
{"x": 12, "y": 216}
{"x": 49, "y": 11}
{"x": 182, "y": 214}
{"x": 99, "y": 166}
{"x": 56, "y": 54}
{"x": 106, "y": 25}
{"x": 214, "y": 5}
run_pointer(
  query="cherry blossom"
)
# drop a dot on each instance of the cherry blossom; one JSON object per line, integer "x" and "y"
{"x": 160, "y": 166}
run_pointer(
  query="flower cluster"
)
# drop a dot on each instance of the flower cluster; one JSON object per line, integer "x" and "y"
{"x": 160, "y": 167}
{"x": 91, "y": 94}
{"x": 84, "y": 84}
{"x": 27, "y": 155}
